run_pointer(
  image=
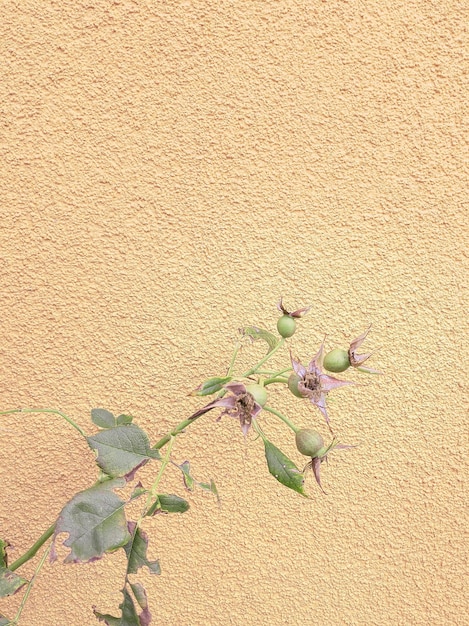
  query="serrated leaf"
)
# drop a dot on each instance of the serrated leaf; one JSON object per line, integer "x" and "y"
{"x": 10, "y": 582}
{"x": 210, "y": 386}
{"x": 136, "y": 551}
{"x": 129, "y": 614}
{"x": 168, "y": 503}
{"x": 283, "y": 469}
{"x": 122, "y": 449}
{"x": 95, "y": 522}
{"x": 256, "y": 334}
{"x": 103, "y": 418}
{"x": 124, "y": 419}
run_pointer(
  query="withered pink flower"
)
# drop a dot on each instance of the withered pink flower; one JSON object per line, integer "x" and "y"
{"x": 357, "y": 360}
{"x": 296, "y": 314}
{"x": 240, "y": 405}
{"x": 314, "y": 384}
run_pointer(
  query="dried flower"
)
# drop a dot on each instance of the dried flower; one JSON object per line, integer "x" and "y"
{"x": 240, "y": 404}
{"x": 357, "y": 360}
{"x": 297, "y": 313}
{"x": 314, "y": 384}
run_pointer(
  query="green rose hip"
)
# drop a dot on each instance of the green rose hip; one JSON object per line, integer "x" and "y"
{"x": 293, "y": 381}
{"x": 258, "y": 392}
{"x": 336, "y": 360}
{"x": 286, "y": 326}
{"x": 309, "y": 442}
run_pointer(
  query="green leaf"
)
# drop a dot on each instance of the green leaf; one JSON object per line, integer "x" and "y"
{"x": 128, "y": 611}
{"x": 283, "y": 469}
{"x": 168, "y": 503}
{"x": 103, "y": 418}
{"x": 10, "y": 582}
{"x": 124, "y": 419}
{"x": 210, "y": 487}
{"x": 136, "y": 551}
{"x": 3, "y": 553}
{"x": 140, "y": 595}
{"x": 256, "y": 334}
{"x": 172, "y": 503}
{"x": 186, "y": 475}
{"x": 109, "y": 619}
{"x": 122, "y": 449}
{"x": 95, "y": 522}
{"x": 190, "y": 482}
{"x": 212, "y": 385}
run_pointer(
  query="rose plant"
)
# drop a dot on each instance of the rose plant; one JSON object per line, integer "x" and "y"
{"x": 95, "y": 520}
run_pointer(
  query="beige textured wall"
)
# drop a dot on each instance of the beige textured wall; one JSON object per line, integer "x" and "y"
{"x": 168, "y": 170}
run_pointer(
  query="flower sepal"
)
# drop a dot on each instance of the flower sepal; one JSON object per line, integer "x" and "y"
{"x": 321, "y": 455}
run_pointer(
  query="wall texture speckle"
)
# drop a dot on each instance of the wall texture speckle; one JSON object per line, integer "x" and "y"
{"x": 169, "y": 169}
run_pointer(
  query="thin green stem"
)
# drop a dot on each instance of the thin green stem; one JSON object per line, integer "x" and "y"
{"x": 233, "y": 359}
{"x": 274, "y": 373}
{"x": 179, "y": 428}
{"x": 258, "y": 430}
{"x": 154, "y": 487}
{"x": 284, "y": 371}
{"x": 229, "y": 371}
{"x": 254, "y": 369}
{"x": 53, "y": 411}
{"x": 187, "y": 422}
{"x": 150, "y": 497}
{"x": 276, "y": 379}
{"x": 367, "y": 371}
{"x": 33, "y": 549}
{"x": 285, "y": 419}
{"x": 24, "y": 599}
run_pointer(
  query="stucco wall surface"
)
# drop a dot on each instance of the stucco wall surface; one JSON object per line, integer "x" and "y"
{"x": 169, "y": 169}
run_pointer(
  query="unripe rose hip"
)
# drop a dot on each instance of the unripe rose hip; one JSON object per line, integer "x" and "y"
{"x": 309, "y": 442}
{"x": 336, "y": 360}
{"x": 293, "y": 381}
{"x": 258, "y": 392}
{"x": 286, "y": 326}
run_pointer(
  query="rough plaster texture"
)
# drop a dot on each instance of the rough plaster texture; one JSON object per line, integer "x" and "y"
{"x": 168, "y": 170}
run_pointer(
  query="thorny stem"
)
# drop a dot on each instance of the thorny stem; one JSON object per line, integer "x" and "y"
{"x": 54, "y": 411}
